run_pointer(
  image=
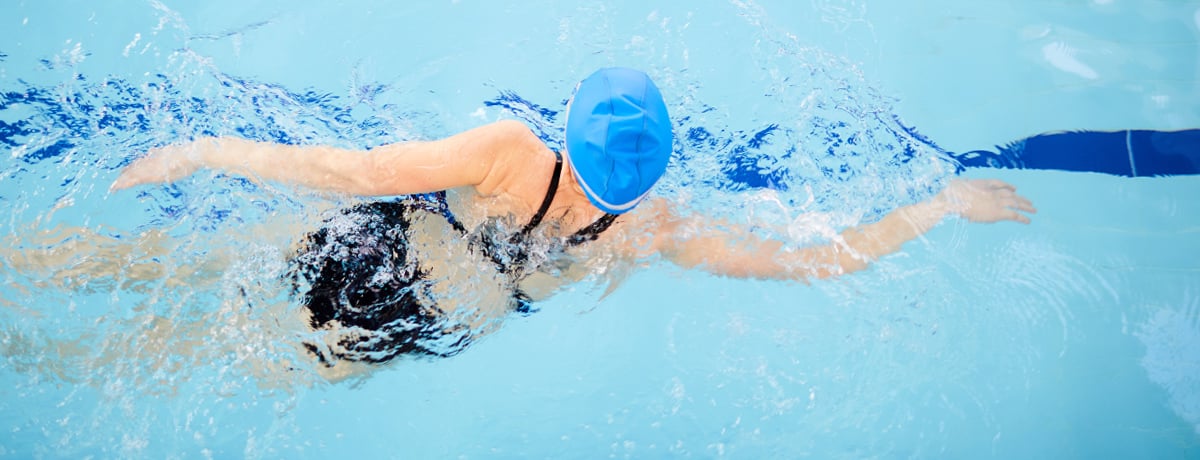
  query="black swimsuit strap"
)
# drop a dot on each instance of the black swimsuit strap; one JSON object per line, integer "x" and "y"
{"x": 541, "y": 213}
{"x": 591, "y": 232}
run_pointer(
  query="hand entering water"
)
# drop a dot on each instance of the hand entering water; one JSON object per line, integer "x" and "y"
{"x": 985, "y": 201}
{"x": 162, "y": 165}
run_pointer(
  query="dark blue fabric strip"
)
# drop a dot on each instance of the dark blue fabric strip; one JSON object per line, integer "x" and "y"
{"x": 1132, "y": 153}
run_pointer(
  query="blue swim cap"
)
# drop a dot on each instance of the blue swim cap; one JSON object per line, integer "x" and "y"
{"x": 618, "y": 137}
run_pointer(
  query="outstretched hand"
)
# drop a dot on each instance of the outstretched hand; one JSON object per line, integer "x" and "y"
{"x": 986, "y": 200}
{"x": 161, "y": 165}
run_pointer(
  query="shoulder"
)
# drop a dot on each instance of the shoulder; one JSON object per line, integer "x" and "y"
{"x": 511, "y": 150}
{"x": 505, "y": 134}
{"x": 503, "y": 141}
{"x": 511, "y": 127}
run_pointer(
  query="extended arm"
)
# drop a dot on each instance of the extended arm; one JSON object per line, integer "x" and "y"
{"x": 739, "y": 253}
{"x": 395, "y": 169}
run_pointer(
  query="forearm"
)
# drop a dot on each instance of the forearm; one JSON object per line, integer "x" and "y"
{"x": 730, "y": 250}
{"x": 741, "y": 257}
{"x": 867, "y": 243}
{"x": 319, "y": 167}
{"x": 741, "y": 254}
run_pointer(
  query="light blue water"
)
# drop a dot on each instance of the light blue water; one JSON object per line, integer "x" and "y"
{"x": 1077, "y": 336}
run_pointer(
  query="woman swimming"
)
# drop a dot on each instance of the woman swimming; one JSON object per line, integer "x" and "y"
{"x": 528, "y": 218}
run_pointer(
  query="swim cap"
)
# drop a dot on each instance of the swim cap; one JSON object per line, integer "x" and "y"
{"x": 618, "y": 137}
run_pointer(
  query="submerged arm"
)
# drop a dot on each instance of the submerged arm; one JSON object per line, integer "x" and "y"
{"x": 738, "y": 253}
{"x": 395, "y": 169}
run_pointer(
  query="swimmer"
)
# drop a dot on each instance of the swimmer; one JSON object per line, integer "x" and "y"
{"x": 532, "y": 219}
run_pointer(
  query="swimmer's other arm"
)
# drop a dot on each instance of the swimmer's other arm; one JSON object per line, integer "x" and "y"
{"x": 738, "y": 253}
{"x": 404, "y": 168}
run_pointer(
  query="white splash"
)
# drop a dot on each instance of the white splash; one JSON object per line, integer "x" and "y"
{"x": 136, "y": 38}
{"x": 1062, "y": 56}
{"x": 1172, "y": 360}
{"x": 1161, "y": 101}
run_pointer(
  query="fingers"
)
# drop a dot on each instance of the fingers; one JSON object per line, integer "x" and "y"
{"x": 1013, "y": 215}
{"x": 1023, "y": 204}
{"x": 997, "y": 184}
{"x": 120, "y": 184}
{"x": 1018, "y": 202}
{"x": 1015, "y": 205}
{"x": 1010, "y": 199}
{"x": 129, "y": 177}
{"x": 990, "y": 200}
{"x": 159, "y": 165}
{"x": 125, "y": 181}
{"x": 1006, "y": 194}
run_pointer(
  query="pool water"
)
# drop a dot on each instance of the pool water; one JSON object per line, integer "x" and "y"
{"x": 1077, "y": 336}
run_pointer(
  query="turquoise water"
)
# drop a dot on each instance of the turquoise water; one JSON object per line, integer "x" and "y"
{"x": 1077, "y": 336}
